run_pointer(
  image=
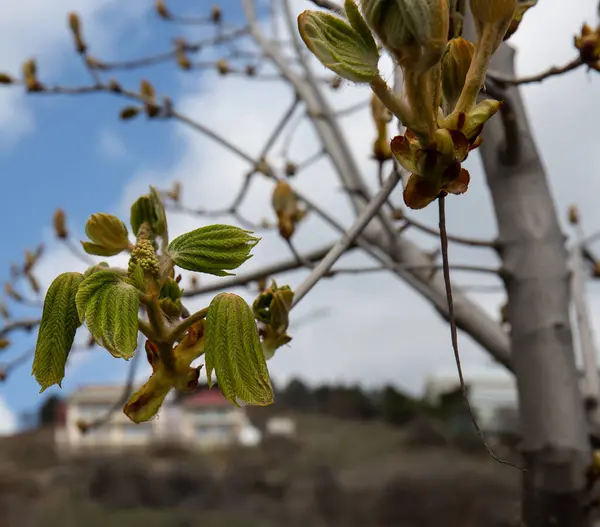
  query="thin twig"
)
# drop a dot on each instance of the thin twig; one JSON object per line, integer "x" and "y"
{"x": 473, "y": 242}
{"x": 270, "y": 270}
{"x": 279, "y": 127}
{"x": 26, "y": 324}
{"x": 552, "y": 72}
{"x": 370, "y": 211}
{"x": 127, "y": 391}
{"x": 454, "y": 331}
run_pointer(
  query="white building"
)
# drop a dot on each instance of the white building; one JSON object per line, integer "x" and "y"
{"x": 204, "y": 420}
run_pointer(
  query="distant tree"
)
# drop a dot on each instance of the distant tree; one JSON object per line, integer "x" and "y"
{"x": 397, "y": 408}
{"x": 297, "y": 395}
{"x": 48, "y": 412}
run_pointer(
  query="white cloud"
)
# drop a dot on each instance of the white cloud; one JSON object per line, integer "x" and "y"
{"x": 378, "y": 330}
{"x": 8, "y": 420}
{"x": 111, "y": 146}
{"x": 37, "y": 28}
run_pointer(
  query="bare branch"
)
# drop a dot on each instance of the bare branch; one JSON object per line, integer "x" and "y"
{"x": 165, "y": 56}
{"x": 552, "y": 72}
{"x": 457, "y": 239}
{"x": 269, "y": 270}
{"x": 127, "y": 391}
{"x": 370, "y": 211}
{"x": 26, "y": 324}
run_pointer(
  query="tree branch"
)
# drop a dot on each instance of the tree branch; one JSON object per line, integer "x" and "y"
{"x": 552, "y": 72}
{"x": 26, "y": 324}
{"x": 370, "y": 211}
{"x": 457, "y": 239}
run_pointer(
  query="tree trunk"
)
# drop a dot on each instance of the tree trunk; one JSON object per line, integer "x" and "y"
{"x": 535, "y": 262}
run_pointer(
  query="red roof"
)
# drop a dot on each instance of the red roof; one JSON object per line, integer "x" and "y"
{"x": 206, "y": 398}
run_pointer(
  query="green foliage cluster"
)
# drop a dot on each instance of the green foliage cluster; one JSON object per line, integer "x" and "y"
{"x": 116, "y": 304}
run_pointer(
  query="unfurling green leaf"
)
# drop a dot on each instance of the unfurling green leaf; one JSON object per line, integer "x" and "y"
{"x": 348, "y": 50}
{"x": 160, "y": 226}
{"x": 108, "y": 234}
{"x": 149, "y": 209}
{"x": 214, "y": 249}
{"x": 57, "y": 330}
{"x": 233, "y": 350}
{"x": 109, "y": 306}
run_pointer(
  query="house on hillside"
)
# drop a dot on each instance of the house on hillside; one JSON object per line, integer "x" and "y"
{"x": 202, "y": 420}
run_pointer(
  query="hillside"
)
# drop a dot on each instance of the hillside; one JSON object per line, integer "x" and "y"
{"x": 337, "y": 473}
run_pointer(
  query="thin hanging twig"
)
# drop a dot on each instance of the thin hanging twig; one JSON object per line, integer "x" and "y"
{"x": 454, "y": 332}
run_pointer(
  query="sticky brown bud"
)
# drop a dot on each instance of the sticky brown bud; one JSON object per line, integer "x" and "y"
{"x": 6, "y": 79}
{"x": 335, "y": 82}
{"x": 216, "y": 15}
{"x": 455, "y": 65}
{"x": 12, "y": 293}
{"x": 149, "y": 94}
{"x": 182, "y": 60}
{"x": 175, "y": 192}
{"x": 60, "y": 224}
{"x": 129, "y": 112}
{"x": 222, "y": 67}
{"x": 147, "y": 90}
{"x": 75, "y": 25}
{"x": 161, "y": 9}
{"x": 29, "y": 69}
{"x": 114, "y": 86}
{"x": 4, "y": 343}
{"x": 83, "y": 426}
{"x": 4, "y": 313}
{"x": 194, "y": 281}
{"x": 250, "y": 70}
{"x": 290, "y": 169}
{"x": 573, "y": 215}
{"x": 35, "y": 286}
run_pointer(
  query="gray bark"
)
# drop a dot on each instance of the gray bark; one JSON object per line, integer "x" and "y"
{"x": 535, "y": 260}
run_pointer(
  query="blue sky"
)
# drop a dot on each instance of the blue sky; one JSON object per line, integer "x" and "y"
{"x": 74, "y": 153}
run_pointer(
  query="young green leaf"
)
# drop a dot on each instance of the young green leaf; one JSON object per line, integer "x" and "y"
{"x": 149, "y": 209}
{"x": 233, "y": 350}
{"x": 57, "y": 330}
{"x": 348, "y": 50}
{"x": 213, "y": 249}
{"x": 109, "y": 306}
{"x": 108, "y": 234}
{"x": 160, "y": 226}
